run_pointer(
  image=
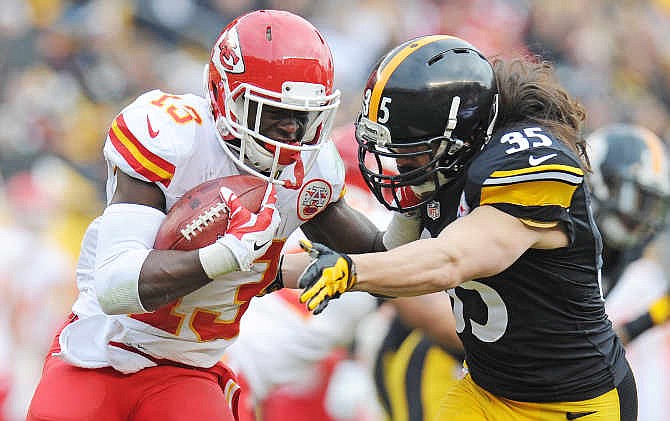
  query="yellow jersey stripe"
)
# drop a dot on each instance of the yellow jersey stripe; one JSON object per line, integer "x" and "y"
{"x": 538, "y": 224}
{"x": 134, "y": 151}
{"x": 530, "y": 193}
{"x": 384, "y": 74}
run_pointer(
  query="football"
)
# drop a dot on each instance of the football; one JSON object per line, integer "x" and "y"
{"x": 200, "y": 217}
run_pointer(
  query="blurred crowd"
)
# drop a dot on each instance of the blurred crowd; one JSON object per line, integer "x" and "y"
{"x": 67, "y": 67}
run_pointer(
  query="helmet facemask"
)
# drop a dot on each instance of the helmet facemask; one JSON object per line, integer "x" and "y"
{"x": 271, "y": 60}
{"x": 388, "y": 180}
{"x": 261, "y": 155}
{"x": 440, "y": 159}
{"x": 631, "y": 213}
{"x": 630, "y": 184}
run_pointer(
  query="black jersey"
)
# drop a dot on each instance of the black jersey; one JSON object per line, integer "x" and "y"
{"x": 538, "y": 330}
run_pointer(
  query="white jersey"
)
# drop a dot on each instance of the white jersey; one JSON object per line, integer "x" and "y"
{"x": 170, "y": 140}
{"x": 641, "y": 283}
{"x": 281, "y": 342}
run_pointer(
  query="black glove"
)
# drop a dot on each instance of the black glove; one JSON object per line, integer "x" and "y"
{"x": 326, "y": 278}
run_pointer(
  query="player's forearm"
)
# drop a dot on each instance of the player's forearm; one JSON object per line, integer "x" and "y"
{"x": 167, "y": 275}
{"x": 417, "y": 268}
{"x": 659, "y": 313}
{"x": 292, "y": 266}
{"x": 344, "y": 229}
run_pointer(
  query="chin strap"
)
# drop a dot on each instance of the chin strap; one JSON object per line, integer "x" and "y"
{"x": 429, "y": 186}
{"x": 255, "y": 150}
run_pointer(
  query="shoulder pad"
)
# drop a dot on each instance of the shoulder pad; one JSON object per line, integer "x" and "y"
{"x": 524, "y": 166}
{"x": 330, "y": 162}
{"x": 146, "y": 139}
{"x": 329, "y": 166}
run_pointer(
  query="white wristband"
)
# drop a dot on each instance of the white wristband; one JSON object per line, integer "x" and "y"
{"x": 217, "y": 259}
{"x": 402, "y": 229}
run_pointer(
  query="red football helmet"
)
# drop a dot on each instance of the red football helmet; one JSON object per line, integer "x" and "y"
{"x": 276, "y": 59}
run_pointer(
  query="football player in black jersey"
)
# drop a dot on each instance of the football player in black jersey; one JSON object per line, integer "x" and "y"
{"x": 631, "y": 191}
{"x": 630, "y": 182}
{"x": 490, "y": 160}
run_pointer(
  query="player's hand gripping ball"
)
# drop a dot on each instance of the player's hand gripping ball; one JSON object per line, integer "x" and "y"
{"x": 203, "y": 214}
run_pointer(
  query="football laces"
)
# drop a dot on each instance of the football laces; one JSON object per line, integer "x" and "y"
{"x": 199, "y": 223}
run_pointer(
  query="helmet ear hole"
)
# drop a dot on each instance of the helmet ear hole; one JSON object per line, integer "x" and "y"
{"x": 435, "y": 59}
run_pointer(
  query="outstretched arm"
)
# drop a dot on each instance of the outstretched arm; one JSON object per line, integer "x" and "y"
{"x": 344, "y": 229}
{"x": 481, "y": 244}
{"x": 657, "y": 314}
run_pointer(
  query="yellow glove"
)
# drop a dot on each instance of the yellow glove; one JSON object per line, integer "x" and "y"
{"x": 326, "y": 278}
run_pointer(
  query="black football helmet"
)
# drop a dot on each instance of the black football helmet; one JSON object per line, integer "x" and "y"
{"x": 428, "y": 106}
{"x": 630, "y": 184}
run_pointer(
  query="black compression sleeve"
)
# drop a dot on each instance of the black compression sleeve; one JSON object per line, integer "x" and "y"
{"x": 636, "y": 327}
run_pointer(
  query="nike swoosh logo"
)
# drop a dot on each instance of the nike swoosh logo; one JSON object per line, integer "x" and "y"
{"x": 260, "y": 246}
{"x": 575, "y": 415}
{"x": 537, "y": 161}
{"x": 152, "y": 133}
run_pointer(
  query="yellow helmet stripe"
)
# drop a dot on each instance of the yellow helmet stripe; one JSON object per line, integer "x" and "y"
{"x": 655, "y": 147}
{"x": 384, "y": 74}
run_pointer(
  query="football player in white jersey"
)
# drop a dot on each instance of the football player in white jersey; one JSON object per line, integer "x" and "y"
{"x": 149, "y": 327}
{"x": 296, "y": 361}
{"x": 286, "y": 358}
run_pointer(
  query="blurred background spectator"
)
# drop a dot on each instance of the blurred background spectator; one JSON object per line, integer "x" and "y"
{"x": 67, "y": 66}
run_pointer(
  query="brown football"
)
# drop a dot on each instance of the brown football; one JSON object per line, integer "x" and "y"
{"x": 200, "y": 217}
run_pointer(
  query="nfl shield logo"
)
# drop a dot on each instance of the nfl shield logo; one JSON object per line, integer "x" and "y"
{"x": 433, "y": 209}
